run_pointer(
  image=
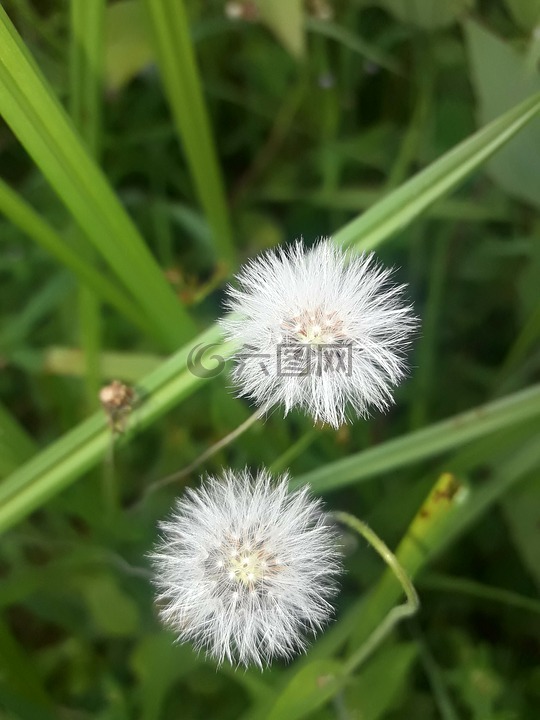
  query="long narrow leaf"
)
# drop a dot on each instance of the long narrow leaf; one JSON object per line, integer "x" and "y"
{"x": 404, "y": 204}
{"x": 86, "y": 90}
{"x": 425, "y": 443}
{"x": 178, "y": 67}
{"x": 435, "y": 515}
{"x": 21, "y": 214}
{"x": 71, "y": 456}
{"x": 414, "y": 552}
{"x": 38, "y": 120}
{"x": 79, "y": 450}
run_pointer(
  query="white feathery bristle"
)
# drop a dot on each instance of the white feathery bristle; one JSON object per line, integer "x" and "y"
{"x": 246, "y": 569}
{"x": 321, "y": 329}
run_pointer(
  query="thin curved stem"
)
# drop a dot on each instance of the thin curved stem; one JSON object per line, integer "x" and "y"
{"x": 396, "y": 614}
{"x": 227, "y": 440}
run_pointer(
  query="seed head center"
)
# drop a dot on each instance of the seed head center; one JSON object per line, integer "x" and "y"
{"x": 247, "y": 563}
{"x": 314, "y": 327}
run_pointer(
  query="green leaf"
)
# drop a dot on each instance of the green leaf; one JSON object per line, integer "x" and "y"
{"x": 38, "y": 120}
{"x": 127, "y": 42}
{"x": 502, "y": 77}
{"x": 429, "y": 525}
{"x": 114, "y": 612}
{"x": 183, "y": 87}
{"x": 309, "y": 689}
{"x": 401, "y": 206}
{"x": 285, "y": 18}
{"x": 525, "y": 12}
{"x": 427, "y": 442}
{"x": 522, "y": 510}
{"x": 375, "y": 690}
{"x": 449, "y": 510}
{"x": 86, "y": 90}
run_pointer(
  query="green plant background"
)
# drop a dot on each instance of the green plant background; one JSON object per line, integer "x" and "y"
{"x": 147, "y": 149}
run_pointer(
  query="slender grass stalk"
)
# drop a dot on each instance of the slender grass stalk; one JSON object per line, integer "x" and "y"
{"x": 426, "y": 350}
{"x": 449, "y": 584}
{"x": 206, "y": 455}
{"x": 86, "y": 76}
{"x": 352, "y": 41}
{"x": 182, "y": 83}
{"x": 370, "y": 618}
{"x": 449, "y": 510}
{"x": 86, "y": 70}
{"x": 396, "y": 614}
{"x": 40, "y": 123}
{"x": 436, "y": 679}
{"x": 423, "y": 538}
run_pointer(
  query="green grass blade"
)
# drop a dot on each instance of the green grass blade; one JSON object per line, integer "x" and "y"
{"x": 463, "y": 586}
{"x": 404, "y": 204}
{"x": 427, "y": 527}
{"x": 86, "y": 89}
{"x": 352, "y": 41}
{"x": 40, "y": 123}
{"x": 21, "y": 214}
{"x": 82, "y": 448}
{"x": 434, "y": 529}
{"x": 127, "y": 367}
{"x": 427, "y": 442}
{"x": 76, "y": 452}
{"x": 86, "y": 69}
{"x": 178, "y": 68}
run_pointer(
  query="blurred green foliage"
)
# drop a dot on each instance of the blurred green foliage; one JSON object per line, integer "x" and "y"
{"x": 316, "y": 111}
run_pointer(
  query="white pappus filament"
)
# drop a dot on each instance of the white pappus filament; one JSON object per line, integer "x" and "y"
{"x": 322, "y": 329}
{"x": 246, "y": 569}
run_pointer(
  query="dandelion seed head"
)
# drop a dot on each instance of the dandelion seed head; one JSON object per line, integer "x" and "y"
{"x": 322, "y": 329}
{"x": 245, "y": 569}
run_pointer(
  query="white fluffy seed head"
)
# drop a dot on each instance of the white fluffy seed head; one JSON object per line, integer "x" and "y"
{"x": 246, "y": 569}
{"x": 321, "y": 329}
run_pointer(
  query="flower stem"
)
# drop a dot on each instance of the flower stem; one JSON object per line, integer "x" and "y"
{"x": 397, "y": 613}
{"x": 212, "y": 450}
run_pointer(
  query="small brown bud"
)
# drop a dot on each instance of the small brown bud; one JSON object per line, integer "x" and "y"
{"x": 117, "y": 402}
